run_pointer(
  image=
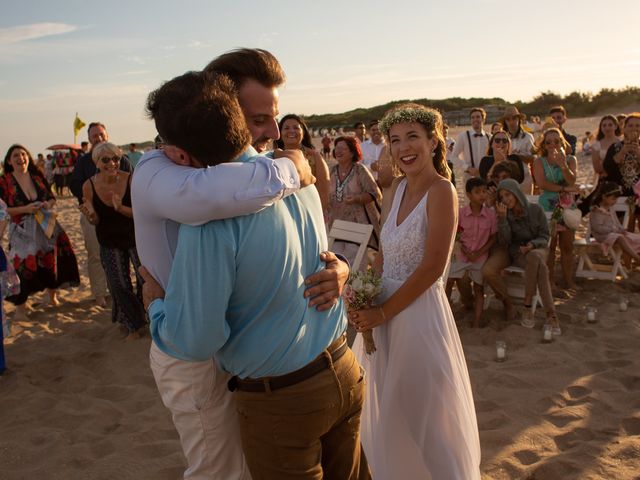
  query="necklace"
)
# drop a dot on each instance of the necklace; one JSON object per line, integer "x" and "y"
{"x": 340, "y": 185}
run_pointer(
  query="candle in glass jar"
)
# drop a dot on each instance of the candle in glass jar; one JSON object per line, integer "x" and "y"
{"x": 501, "y": 351}
{"x": 591, "y": 314}
{"x": 624, "y": 304}
{"x": 547, "y": 334}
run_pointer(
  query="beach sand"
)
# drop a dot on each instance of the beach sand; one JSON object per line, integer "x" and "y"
{"x": 79, "y": 402}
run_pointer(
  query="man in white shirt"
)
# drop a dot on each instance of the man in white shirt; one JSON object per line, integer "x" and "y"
{"x": 521, "y": 144}
{"x": 472, "y": 144}
{"x": 360, "y": 132}
{"x": 371, "y": 148}
{"x": 165, "y": 192}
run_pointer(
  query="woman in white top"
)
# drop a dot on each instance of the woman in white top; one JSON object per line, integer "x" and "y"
{"x": 608, "y": 134}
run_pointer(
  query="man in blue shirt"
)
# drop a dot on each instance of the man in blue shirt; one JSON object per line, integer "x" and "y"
{"x": 236, "y": 292}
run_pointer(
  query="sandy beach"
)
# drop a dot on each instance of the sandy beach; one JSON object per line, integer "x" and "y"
{"x": 79, "y": 402}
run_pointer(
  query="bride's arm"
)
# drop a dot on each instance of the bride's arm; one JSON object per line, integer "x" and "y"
{"x": 442, "y": 214}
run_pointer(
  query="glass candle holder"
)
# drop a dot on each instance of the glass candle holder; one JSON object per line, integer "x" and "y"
{"x": 547, "y": 334}
{"x": 501, "y": 351}
{"x": 592, "y": 314}
{"x": 624, "y": 304}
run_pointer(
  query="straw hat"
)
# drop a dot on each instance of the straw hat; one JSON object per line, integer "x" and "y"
{"x": 512, "y": 111}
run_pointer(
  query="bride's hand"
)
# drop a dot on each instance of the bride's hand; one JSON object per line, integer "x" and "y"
{"x": 363, "y": 320}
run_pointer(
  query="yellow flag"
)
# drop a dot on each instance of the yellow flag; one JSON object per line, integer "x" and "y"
{"x": 77, "y": 125}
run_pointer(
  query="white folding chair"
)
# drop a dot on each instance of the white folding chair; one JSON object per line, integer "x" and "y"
{"x": 354, "y": 233}
{"x": 587, "y": 266}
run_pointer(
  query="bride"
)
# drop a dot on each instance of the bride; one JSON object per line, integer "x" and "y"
{"x": 419, "y": 419}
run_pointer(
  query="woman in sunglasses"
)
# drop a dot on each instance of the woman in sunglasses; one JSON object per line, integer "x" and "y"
{"x": 500, "y": 151}
{"x": 107, "y": 205}
{"x": 39, "y": 248}
{"x": 555, "y": 173}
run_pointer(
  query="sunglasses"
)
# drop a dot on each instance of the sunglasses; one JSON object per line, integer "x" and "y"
{"x": 500, "y": 140}
{"x": 106, "y": 160}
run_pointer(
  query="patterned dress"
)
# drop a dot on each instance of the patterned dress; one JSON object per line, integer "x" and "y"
{"x": 41, "y": 262}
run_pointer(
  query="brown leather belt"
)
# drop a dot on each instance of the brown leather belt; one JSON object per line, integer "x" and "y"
{"x": 266, "y": 384}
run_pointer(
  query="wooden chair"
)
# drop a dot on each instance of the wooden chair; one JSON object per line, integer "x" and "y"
{"x": 351, "y": 232}
{"x": 587, "y": 267}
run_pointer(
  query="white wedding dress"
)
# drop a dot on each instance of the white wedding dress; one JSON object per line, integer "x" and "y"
{"x": 418, "y": 420}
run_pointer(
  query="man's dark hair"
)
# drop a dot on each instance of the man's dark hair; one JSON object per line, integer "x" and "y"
{"x": 502, "y": 167}
{"x": 199, "y": 112}
{"x": 249, "y": 63}
{"x": 358, "y": 124}
{"x": 95, "y": 124}
{"x": 478, "y": 109}
{"x": 474, "y": 182}
{"x": 84, "y": 144}
{"x": 373, "y": 122}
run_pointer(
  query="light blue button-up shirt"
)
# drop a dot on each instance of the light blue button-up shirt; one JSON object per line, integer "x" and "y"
{"x": 236, "y": 292}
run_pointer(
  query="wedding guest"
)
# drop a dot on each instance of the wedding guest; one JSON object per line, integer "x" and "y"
{"x": 42, "y": 259}
{"x": 559, "y": 116}
{"x": 450, "y": 143}
{"x": 622, "y": 162}
{"x": 326, "y": 145}
{"x": 605, "y": 225}
{"x": 523, "y": 236}
{"x": 496, "y": 127}
{"x": 555, "y": 173}
{"x": 477, "y": 226}
{"x": 472, "y": 144}
{"x": 415, "y": 332}
{"x": 288, "y": 362}
{"x": 4, "y": 220}
{"x": 499, "y": 171}
{"x": 294, "y": 135}
{"x": 372, "y": 148}
{"x": 360, "y": 131}
{"x": 107, "y": 205}
{"x": 196, "y": 393}
{"x": 608, "y": 134}
{"x": 354, "y": 195}
{"x": 522, "y": 144}
{"x": 500, "y": 151}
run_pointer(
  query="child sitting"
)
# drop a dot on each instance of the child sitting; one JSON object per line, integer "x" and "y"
{"x": 478, "y": 226}
{"x": 605, "y": 226}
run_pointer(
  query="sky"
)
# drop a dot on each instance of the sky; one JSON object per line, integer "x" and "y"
{"x": 101, "y": 59}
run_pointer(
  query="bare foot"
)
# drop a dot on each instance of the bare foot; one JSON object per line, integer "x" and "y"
{"x": 53, "y": 299}
{"x": 100, "y": 301}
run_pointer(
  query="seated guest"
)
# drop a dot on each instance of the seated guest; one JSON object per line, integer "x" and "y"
{"x": 107, "y": 205}
{"x": 499, "y": 171}
{"x": 555, "y": 174}
{"x": 500, "y": 151}
{"x": 622, "y": 162}
{"x": 477, "y": 227}
{"x": 605, "y": 226}
{"x": 523, "y": 236}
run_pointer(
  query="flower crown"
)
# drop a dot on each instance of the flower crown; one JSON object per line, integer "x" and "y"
{"x": 409, "y": 114}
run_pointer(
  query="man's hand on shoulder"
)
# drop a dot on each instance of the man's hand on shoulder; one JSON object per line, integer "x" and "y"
{"x": 301, "y": 164}
{"x": 325, "y": 287}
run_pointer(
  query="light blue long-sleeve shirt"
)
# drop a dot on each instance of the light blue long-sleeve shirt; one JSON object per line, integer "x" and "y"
{"x": 164, "y": 195}
{"x": 236, "y": 292}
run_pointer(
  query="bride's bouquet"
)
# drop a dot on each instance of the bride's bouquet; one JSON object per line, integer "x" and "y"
{"x": 359, "y": 293}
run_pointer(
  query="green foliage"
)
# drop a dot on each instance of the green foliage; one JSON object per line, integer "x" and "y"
{"x": 578, "y": 104}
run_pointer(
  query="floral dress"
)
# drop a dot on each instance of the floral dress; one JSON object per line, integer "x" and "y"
{"x": 358, "y": 180}
{"x": 41, "y": 262}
